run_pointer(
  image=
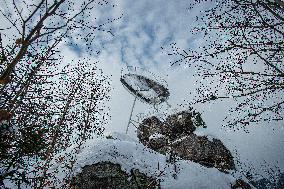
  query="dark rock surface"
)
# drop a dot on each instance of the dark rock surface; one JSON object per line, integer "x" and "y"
{"x": 107, "y": 175}
{"x": 148, "y": 127}
{"x": 201, "y": 150}
{"x": 176, "y": 135}
{"x": 180, "y": 123}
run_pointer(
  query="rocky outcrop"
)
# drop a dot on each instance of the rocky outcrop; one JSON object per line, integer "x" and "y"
{"x": 107, "y": 175}
{"x": 175, "y": 135}
{"x": 173, "y": 127}
{"x": 201, "y": 150}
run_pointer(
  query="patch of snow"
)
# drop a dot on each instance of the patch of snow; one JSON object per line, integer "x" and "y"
{"x": 133, "y": 155}
{"x": 179, "y": 140}
{"x": 156, "y": 135}
{"x": 200, "y": 131}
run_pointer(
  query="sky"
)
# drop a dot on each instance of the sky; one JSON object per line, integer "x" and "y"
{"x": 145, "y": 27}
{"x": 141, "y": 40}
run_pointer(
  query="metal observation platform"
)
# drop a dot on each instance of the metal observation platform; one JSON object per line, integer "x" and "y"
{"x": 147, "y": 90}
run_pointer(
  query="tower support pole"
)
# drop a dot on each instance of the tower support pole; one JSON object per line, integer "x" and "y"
{"x": 129, "y": 121}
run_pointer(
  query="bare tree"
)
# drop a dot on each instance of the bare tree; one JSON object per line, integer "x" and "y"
{"x": 242, "y": 57}
{"x": 44, "y": 109}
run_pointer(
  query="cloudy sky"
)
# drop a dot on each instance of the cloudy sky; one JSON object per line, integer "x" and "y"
{"x": 141, "y": 41}
{"x": 145, "y": 27}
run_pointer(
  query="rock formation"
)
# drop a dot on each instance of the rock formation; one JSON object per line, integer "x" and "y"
{"x": 175, "y": 135}
{"x": 107, "y": 175}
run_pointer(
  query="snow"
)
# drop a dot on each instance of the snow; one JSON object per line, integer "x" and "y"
{"x": 200, "y": 131}
{"x": 134, "y": 82}
{"x": 132, "y": 155}
{"x": 179, "y": 117}
{"x": 156, "y": 136}
{"x": 179, "y": 140}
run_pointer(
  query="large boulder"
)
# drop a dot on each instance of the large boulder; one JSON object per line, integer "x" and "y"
{"x": 173, "y": 127}
{"x": 107, "y": 175}
{"x": 201, "y": 150}
{"x": 175, "y": 135}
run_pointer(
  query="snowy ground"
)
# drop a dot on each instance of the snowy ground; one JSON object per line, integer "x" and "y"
{"x": 130, "y": 154}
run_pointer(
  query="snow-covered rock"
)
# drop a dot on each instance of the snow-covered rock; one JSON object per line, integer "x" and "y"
{"x": 179, "y": 139}
{"x": 131, "y": 155}
{"x": 107, "y": 175}
{"x": 201, "y": 150}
